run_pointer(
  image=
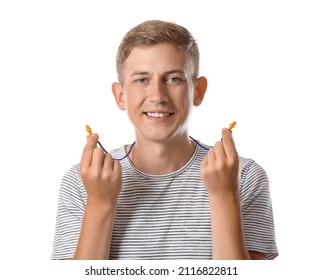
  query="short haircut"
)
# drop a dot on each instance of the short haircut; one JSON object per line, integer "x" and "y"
{"x": 153, "y": 32}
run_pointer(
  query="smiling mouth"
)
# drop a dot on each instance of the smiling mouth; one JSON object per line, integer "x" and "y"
{"x": 157, "y": 115}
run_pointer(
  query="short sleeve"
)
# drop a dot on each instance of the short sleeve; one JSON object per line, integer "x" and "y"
{"x": 70, "y": 211}
{"x": 257, "y": 212}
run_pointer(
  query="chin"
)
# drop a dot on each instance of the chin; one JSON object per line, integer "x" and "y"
{"x": 161, "y": 136}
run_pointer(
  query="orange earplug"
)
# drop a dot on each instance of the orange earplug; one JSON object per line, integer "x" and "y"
{"x": 232, "y": 125}
{"x": 88, "y": 129}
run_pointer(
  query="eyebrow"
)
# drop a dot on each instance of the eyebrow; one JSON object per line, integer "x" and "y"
{"x": 174, "y": 71}
{"x": 137, "y": 73}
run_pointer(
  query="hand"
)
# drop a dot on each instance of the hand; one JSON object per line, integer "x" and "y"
{"x": 101, "y": 175}
{"x": 220, "y": 168}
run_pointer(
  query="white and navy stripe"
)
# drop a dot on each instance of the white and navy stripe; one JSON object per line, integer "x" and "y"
{"x": 166, "y": 216}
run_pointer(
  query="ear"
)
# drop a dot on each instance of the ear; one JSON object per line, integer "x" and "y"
{"x": 119, "y": 96}
{"x": 200, "y": 89}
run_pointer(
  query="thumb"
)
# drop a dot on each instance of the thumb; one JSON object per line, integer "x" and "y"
{"x": 92, "y": 140}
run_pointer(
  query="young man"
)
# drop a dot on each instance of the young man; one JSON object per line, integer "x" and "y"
{"x": 170, "y": 197}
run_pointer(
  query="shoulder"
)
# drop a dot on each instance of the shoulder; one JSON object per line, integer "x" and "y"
{"x": 71, "y": 187}
{"x": 251, "y": 170}
{"x": 249, "y": 165}
{"x": 72, "y": 176}
{"x": 254, "y": 184}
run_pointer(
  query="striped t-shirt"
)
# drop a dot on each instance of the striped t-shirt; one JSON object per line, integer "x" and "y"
{"x": 166, "y": 216}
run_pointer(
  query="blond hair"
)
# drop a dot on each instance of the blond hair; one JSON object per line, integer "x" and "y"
{"x": 155, "y": 32}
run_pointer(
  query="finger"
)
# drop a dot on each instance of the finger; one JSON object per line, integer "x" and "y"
{"x": 97, "y": 159}
{"x": 219, "y": 150}
{"x": 211, "y": 156}
{"x": 91, "y": 144}
{"x": 228, "y": 143}
{"x": 108, "y": 162}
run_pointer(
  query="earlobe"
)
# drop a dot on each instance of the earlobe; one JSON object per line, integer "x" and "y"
{"x": 200, "y": 89}
{"x": 119, "y": 96}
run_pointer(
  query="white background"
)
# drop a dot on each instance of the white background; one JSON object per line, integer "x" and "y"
{"x": 264, "y": 64}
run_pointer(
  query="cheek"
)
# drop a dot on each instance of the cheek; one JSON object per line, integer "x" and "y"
{"x": 187, "y": 104}
{"x": 186, "y": 100}
{"x": 132, "y": 101}
{"x": 185, "y": 109}
{"x": 127, "y": 97}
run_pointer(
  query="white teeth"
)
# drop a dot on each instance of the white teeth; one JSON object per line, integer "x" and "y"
{"x": 157, "y": 115}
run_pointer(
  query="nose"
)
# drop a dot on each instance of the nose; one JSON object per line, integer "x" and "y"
{"x": 158, "y": 93}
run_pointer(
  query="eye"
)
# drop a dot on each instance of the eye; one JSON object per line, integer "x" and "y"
{"x": 140, "y": 81}
{"x": 173, "y": 79}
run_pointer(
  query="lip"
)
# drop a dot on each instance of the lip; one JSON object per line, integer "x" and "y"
{"x": 158, "y": 111}
{"x": 159, "y": 119}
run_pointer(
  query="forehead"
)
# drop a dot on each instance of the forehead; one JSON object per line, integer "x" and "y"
{"x": 157, "y": 58}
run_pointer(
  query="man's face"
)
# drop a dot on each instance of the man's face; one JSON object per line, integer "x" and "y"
{"x": 158, "y": 92}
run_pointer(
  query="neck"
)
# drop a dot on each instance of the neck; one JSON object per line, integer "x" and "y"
{"x": 162, "y": 157}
